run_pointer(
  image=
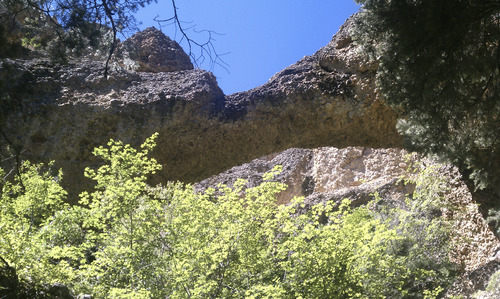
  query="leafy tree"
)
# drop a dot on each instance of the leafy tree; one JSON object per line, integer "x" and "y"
{"x": 439, "y": 64}
{"x": 130, "y": 240}
{"x": 25, "y": 209}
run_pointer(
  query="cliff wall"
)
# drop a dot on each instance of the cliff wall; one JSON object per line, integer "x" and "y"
{"x": 64, "y": 111}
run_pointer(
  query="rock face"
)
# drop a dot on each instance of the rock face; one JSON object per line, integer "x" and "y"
{"x": 65, "y": 111}
{"x": 327, "y": 173}
{"x": 73, "y": 109}
{"x": 62, "y": 112}
{"x": 152, "y": 51}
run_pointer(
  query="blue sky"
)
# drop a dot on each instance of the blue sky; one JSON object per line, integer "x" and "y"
{"x": 260, "y": 37}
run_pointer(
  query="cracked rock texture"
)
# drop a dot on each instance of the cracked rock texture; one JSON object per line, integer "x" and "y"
{"x": 66, "y": 111}
{"x": 325, "y": 173}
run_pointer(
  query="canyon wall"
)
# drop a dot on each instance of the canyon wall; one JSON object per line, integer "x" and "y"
{"x": 326, "y": 99}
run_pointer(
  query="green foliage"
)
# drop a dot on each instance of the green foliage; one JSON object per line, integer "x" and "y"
{"x": 26, "y": 207}
{"x": 30, "y": 43}
{"x": 425, "y": 238}
{"x": 494, "y": 219}
{"x": 438, "y": 64}
{"x": 130, "y": 240}
{"x": 67, "y": 27}
{"x": 121, "y": 183}
{"x": 492, "y": 289}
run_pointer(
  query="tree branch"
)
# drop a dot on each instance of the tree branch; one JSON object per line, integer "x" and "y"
{"x": 109, "y": 14}
{"x": 207, "y": 48}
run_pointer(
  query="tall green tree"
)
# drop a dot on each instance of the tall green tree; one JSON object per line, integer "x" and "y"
{"x": 439, "y": 63}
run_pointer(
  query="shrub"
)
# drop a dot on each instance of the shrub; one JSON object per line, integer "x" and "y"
{"x": 129, "y": 240}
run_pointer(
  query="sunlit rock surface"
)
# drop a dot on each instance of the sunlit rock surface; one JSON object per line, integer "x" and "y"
{"x": 66, "y": 111}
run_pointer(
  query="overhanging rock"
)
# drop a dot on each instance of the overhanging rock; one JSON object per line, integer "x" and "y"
{"x": 327, "y": 99}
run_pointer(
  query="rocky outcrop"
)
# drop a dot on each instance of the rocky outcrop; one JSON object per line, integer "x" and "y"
{"x": 61, "y": 112}
{"x": 68, "y": 111}
{"x": 325, "y": 173}
{"x": 65, "y": 111}
{"x": 152, "y": 51}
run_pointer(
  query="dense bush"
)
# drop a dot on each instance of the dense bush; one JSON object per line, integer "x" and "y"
{"x": 129, "y": 240}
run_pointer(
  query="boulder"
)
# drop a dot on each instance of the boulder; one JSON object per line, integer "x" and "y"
{"x": 151, "y": 50}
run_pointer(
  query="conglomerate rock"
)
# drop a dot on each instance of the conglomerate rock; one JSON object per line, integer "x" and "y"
{"x": 64, "y": 111}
